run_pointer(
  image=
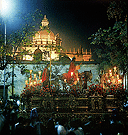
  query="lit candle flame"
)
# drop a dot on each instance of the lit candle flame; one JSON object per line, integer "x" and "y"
{"x": 117, "y": 76}
{"x": 110, "y": 74}
{"x": 71, "y": 73}
{"x": 34, "y": 75}
{"x": 119, "y": 81}
{"x": 30, "y": 71}
{"x": 108, "y": 81}
{"x": 26, "y": 82}
{"x": 29, "y": 80}
{"x": 39, "y": 74}
{"x": 110, "y": 71}
{"x": 31, "y": 83}
{"x": 34, "y": 82}
{"x": 115, "y": 69}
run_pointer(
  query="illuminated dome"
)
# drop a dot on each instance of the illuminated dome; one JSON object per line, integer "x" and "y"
{"x": 45, "y": 34}
{"x": 39, "y": 49}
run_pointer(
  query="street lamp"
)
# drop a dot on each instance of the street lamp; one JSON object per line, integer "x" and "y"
{"x": 3, "y": 6}
{"x": 4, "y": 12}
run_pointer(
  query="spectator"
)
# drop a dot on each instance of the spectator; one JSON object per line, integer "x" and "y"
{"x": 51, "y": 126}
{"x": 33, "y": 117}
{"x": 61, "y": 127}
{"x": 76, "y": 127}
{"x": 19, "y": 127}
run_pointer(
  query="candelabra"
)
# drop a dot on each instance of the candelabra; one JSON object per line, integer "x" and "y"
{"x": 33, "y": 82}
{"x": 111, "y": 78}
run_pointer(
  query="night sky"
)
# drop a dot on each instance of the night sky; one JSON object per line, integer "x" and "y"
{"x": 74, "y": 20}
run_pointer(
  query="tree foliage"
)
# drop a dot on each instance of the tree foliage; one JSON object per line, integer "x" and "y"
{"x": 18, "y": 38}
{"x": 111, "y": 44}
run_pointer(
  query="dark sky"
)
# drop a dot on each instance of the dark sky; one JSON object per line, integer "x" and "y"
{"x": 74, "y": 20}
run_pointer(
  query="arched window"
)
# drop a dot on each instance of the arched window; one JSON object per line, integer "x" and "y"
{"x": 38, "y": 54}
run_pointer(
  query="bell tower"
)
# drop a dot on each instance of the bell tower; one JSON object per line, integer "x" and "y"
{"x": 45, "y": 22}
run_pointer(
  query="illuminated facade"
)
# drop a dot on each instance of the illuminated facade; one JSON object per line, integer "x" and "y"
{"x": 39, "y": 48}
{"x": 41, "y": 42}
{"x": 80, "y": 55}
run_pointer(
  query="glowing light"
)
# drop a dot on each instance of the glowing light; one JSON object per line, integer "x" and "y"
{"x": 71, "y": 73}
{"x": 64, "y": 80}
{"x": 109, "y": 81}
{"x": 18, "y": 102}
{"x": 114, "y": 69}
{"x": 30, "y": 71}
{"x": 6, "y": 7}
{"x": 26, "y": 82}
{"x": 31, "y": 83}
{"x": 39, "y": 74}
{"x": 34, "y": 75}
{"x": 29, "y": 79}
{"x": 110, "y": 74}
{"x": 34, "y": 82}
{"x": 119, "y": 81}
{"x": 28, "y": 57}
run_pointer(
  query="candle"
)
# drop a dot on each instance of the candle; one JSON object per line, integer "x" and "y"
{"x": 34, "y": 75}
{"x": 119, "y": 81}
{"x": 113, "y": 81}
{"x": 110, "y": 74}
{"x": 30, "y": 71}
{"x": 31, "y": 83}
{"x": 115, "y": 69}
{"x": 64, "y": 80}
{"x": 117, "y": 76}
{"x": 108, "y": 81}
{"x": 39, "y": 74}
{"x": 29, "y": 79}
{"x": 71, "y": 73}
{"x": 78, "y": 79}
{"x": 34, "y": 82}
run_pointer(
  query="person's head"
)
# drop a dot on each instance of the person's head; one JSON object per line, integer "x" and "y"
{"x": 33, "y": 114}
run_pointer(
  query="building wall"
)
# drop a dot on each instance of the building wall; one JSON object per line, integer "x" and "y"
{"x": 19, "y": 79}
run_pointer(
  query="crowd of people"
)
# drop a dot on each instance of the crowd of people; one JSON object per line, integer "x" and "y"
{"x": 114, "y": 124}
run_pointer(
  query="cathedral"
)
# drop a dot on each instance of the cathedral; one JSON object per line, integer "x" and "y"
{"x": 44, "y": 47}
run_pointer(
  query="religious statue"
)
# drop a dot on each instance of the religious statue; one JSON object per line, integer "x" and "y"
{"x": 45, "y": 76}
{"x": 86, "y": 76}
{"x": 72, "y": 77}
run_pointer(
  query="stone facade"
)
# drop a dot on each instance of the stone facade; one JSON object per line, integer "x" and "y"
{"x": 41, "y": 43}
{"x": 79, "y": 54}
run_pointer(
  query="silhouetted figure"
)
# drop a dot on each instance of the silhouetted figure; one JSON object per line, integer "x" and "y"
{"x": 45, "y": 76}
